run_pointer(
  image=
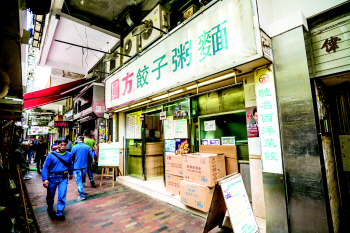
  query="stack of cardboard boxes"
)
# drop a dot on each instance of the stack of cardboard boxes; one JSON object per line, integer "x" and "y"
{"x": 174, "y": 173}
{"x": 201, "y": 172}
{"x": 193, "y": 176}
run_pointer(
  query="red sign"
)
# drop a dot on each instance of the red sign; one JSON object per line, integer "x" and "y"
{"x": 264, "y": 78}
{"x": 63, "y": 124}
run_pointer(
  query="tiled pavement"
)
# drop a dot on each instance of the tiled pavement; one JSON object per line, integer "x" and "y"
{"x": 112, "y": 209}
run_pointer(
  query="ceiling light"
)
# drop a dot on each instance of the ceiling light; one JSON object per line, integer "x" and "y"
{"x": 144, "y": 102}
{"x": 166, "y": 95}
{"x": 118, "y": 110}
{"x": 211, "y": 81}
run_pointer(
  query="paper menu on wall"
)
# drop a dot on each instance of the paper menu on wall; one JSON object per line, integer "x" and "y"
{"x": 133, "y": 125}
{"x": 180, "y": 129}
{"x": 169, "y": 128}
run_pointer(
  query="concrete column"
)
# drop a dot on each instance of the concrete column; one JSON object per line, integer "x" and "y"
{"x": 303, "y": 182}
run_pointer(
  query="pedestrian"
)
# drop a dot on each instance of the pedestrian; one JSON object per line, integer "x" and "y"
{"x": 32, "y": 148}
{"x": 55, "y": 175}
{"x": 54, "y": 146}
{"x": 69, "y": 145}
{"x": 19, "y": 157}
{"x": 40, "y": 153}
{"x": 92, "y": 144}
{"x": 81, "y": 157}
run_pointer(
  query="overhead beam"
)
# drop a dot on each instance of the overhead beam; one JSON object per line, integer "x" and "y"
{"x": 91, "y": 20}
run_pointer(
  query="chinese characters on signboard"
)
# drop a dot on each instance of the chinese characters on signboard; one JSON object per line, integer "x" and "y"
{"x": 202, "y": 45}
{"x": 268, "y": 120}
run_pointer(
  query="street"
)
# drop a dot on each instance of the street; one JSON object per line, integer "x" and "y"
{"x": 112, "y": 209}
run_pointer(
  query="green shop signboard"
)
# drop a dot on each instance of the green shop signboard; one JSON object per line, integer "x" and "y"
{"x": 223, "y": 36}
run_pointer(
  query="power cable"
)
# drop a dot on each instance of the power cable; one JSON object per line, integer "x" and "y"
{"x": 79, "y": 33}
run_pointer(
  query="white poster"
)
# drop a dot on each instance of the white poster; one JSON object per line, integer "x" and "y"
{"x": 180, "y": 128}
{"x": 220, "y": 38}
{"x": 209, "y": 125}
{"x": 238, "y": 206}
{"x": 108, "y": 154}
{"x": 169, "y": 128}
{"x": 133, "y": 125}
{"x": 268, "y": 127}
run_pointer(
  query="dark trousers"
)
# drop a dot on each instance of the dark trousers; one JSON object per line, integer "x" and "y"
{"x": 39, "y": 161}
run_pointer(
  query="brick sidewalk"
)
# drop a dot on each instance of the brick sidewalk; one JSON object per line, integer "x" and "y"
{"x": 112, "y": 209}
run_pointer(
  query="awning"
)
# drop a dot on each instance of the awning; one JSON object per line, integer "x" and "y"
{"x": 53, "y": 94}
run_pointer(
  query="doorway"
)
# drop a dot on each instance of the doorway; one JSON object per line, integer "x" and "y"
{"x": 332, "y": 101}
{"x": 153, "y": 164}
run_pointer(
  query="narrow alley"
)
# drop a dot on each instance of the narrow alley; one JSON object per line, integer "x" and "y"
{"x": 111, "y": 209}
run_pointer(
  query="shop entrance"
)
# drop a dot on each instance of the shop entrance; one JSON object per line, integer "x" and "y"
{"x": 144, "y": 144}
{"x": 332, "y": 95}
{"x": 153, "y": 164}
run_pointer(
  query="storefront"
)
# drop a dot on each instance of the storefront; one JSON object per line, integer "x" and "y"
{"x": 88, "y": 112}
{"x": 195, "y": 91}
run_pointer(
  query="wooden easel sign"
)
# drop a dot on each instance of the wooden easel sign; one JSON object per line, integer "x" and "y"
{"x": 108, "y": 158}
{"x": 230, "y": 194}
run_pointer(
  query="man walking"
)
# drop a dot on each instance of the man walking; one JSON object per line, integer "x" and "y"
{"x": 40, "y": 153}
{"x": 81, "y": 157}
{"x": 69, "y": 145}
{"x": 55, "y": 174}
{"x": 92, "y": 144}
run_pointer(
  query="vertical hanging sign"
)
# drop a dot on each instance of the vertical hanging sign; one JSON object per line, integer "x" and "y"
{"x": 268, "y": 126}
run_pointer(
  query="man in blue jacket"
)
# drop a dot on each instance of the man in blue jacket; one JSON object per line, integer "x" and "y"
{"x": 55, "y": 174}
{"x": 81, "y": 157}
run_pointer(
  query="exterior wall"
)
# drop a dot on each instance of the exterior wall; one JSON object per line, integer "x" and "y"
{"x": 278, "y": 16}
{"x": 307, "y": 201}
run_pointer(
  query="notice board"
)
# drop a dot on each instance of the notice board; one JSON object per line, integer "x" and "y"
{"x": 108, "y": 154}
{"x": 133, "y": 125}
{"x": 169, "y": 128}
{"x": 230, "y": 194}
{"x": 180, "y": 128}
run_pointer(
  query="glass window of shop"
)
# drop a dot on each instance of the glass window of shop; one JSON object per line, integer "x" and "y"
{"x": 133, "y": 134}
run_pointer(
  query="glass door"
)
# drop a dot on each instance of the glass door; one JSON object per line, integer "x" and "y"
{"x": 133, "y": 144}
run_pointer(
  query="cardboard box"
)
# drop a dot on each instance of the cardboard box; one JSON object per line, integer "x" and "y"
{"x": 173, "y": 164}
{"x": 205, "y": 169}
{"x": 231, "y": 165}
{"x": 230, "y": 151}
{"x": 173, "y": 183}
{"x": 196, "y": 195}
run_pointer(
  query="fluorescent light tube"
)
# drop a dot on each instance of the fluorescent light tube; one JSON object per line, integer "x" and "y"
{"x": 211, "y": 81}
{"x": 118, "y": 110}
{"x": 144, "y": 102}
{"x": 166, "y": 95}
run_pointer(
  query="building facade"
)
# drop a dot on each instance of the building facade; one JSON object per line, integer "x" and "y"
{"x": 271, "y": 75}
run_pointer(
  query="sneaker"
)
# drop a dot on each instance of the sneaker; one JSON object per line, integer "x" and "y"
{"x": 81, "y": 198}
{"x": 26, "y": 177}
{"x": 29, "y": 175}
{"x": 51, "y": 213}
{"x": 93, "y": 184}
{"x": 61, "y": 217}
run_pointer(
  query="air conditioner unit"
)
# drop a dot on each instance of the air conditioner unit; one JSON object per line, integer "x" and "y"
{"x": 117, "y": 57}
{"x": 160, "y": 18}
{"x": 131, "y": 46}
